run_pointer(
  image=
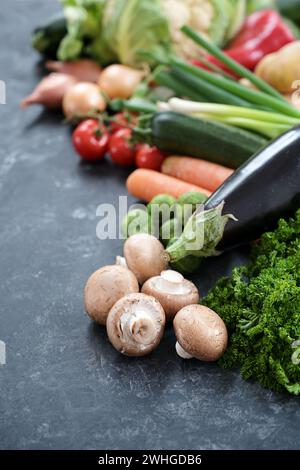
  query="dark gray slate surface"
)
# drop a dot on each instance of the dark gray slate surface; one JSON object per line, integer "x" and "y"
{"x": 63, "y": 385}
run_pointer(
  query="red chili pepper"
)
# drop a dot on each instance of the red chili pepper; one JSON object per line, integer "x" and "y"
{"x": 263, "y": 32}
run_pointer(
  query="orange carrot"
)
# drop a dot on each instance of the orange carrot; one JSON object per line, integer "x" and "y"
{"x": 146, "y": 184}
{"x": 196, "y": 171}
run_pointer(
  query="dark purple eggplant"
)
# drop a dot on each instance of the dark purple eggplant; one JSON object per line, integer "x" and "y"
{"x": 260, "y": 192}
{"x": 263, "y": 190}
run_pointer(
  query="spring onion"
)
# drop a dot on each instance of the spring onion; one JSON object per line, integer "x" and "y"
{"x": 232, "y": 64}
{"x": 267, "y": 123}
{"x": 211, "y": 91}
{"x": 261, "y": 100}
{"x": 135, "y": 105}
{"x": 164, "y": 78}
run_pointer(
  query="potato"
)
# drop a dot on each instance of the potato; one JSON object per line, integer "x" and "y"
{"x": 281, "y": 69}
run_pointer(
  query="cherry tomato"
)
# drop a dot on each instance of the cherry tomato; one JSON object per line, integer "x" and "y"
{"x": 121, "y": 150}
{"x": 121, "y": 121}
{"x": 138, "y": 146}
{"x": 90, "y": 141}
{"x": 149, "y": 157}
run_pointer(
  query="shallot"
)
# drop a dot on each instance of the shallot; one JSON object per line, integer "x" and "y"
{"x": 50, "y": 91}
{"x": 84, "y": 70}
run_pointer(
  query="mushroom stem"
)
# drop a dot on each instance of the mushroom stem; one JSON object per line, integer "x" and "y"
{"x": 121, "y": 261}
{"x": 135, "y": 324}
{"x": 139, "y": 327}
{"x": 181, "y": 352}
{"x": 142, "y": 328}
{"x": 172, "y": 276}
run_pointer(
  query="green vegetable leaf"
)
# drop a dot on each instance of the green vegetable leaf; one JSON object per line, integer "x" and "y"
{"x": 84, "y": 24}
{"x": 202, "y": 233}
{"x": 260, "y": 304}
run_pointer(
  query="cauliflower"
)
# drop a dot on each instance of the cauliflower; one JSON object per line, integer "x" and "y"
{"x": 212, "y": 18}
{"x": 195, "y": 13}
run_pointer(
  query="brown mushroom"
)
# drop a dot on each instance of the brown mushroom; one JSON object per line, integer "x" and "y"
{"x": 105, "y": 287}
{"x": 145, "y": 256}
{"x": 135, "y": 324}
{"x": 172, "y": 291}
{"x": 200, "y": 333}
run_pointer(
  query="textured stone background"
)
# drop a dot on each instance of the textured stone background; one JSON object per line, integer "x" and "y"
{"x": 63, "y": 385}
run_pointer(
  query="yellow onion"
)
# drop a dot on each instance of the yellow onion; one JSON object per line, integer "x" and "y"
{"x": 119, "y": 81}
{"x": 82, "y": 99}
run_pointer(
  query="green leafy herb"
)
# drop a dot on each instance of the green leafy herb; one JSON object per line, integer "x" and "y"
{"x": 260, "y": 305}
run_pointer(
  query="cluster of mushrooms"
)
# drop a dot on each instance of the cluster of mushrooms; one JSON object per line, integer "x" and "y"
{"x": 135, "y": 320}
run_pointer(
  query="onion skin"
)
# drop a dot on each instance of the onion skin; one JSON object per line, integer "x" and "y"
{"x": 84, "y": 70}
{"x": 82, "y": 99}
{"x": 119, "y": 81}
{"x": 50, "y": 91}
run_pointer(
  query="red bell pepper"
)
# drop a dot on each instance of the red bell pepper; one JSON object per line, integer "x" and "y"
{"x": 263, "y": 32}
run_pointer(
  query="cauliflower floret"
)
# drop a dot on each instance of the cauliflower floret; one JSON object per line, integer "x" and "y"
{"x": 202, "y": 15}
{"x": 196, "y": 13}
{"x": 178, "y": 13}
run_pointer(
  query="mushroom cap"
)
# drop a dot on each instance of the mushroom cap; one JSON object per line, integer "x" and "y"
{"x": 145, "y": 256}
{"x": 201, "y": 332}
{"x": 135, "y": 324}
{"x": 104, "y": 287}
{"x": 172, "y": 291}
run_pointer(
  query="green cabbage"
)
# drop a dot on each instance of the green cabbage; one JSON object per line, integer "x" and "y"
{"x": 128, "y": 31}
{"x": 237, "y": 16}
{"x": 132, "y": 26}
{"x": 84, "y": 20}
{"x": 253, "y": 5}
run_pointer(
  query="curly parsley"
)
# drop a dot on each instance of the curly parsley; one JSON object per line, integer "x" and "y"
{"x": 260, "y": 304}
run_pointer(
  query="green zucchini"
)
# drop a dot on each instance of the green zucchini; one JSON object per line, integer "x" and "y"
{"x": 46, "y": 39}
{"x": 183, "y": 135}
